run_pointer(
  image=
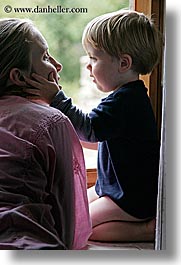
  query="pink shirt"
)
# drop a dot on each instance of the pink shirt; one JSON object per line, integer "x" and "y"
{"x": 43, "y": 190}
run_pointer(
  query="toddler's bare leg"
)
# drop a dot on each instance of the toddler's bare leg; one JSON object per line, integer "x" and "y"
{"x": 124, "y": 231}
{"x": 111, "y": 223}
{"x": 92, "y": 195}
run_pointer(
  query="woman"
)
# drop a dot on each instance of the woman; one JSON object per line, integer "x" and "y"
{"x": 43, "y": 199}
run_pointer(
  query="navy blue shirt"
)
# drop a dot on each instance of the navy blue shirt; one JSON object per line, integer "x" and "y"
{"x": 128, "y": 153}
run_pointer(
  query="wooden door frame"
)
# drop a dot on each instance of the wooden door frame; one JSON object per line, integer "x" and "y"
{"x": 153, "y": 81}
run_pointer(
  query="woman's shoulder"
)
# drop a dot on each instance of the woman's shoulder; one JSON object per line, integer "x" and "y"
{"x": 28, "y": 113}
{"x": 44, "y": 115}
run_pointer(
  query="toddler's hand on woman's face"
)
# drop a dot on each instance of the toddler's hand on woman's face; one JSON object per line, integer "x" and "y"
{"x": 41, "y": 88}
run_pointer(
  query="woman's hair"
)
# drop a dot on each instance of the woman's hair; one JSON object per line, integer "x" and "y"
{"x": 16, "y": 36}
{"x": 126, "y": 32}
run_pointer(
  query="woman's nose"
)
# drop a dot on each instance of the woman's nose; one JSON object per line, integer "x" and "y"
{"x": 57, "y": 65}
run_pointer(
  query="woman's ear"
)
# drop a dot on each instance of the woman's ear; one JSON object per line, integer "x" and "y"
{"x": 16, "y": 77}
{"x": 125, "y": 63}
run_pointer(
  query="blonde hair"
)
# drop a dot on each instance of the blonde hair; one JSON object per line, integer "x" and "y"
{"x": 15, "y": 38}
{"x": 126, "y": 32}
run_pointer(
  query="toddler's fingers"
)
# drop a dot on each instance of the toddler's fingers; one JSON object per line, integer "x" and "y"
{"x": 33, "y": 92}
{"x": 39, "y": 78}
{"x": 32, "y": 97}
{"x": 51, "y": 77}
{"x": 33, "y": 83}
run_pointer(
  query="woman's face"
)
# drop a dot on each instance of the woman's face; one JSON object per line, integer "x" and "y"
{"x": 42, "y": 62}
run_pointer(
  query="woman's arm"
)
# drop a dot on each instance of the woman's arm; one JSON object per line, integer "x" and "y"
{"x": 68, "y": 185}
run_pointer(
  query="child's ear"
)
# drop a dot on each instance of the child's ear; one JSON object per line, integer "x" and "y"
{"x": 16, "y": 77}
{"x": 125, "y": 63}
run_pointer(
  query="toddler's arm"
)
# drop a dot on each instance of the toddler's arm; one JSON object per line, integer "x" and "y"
{"x": 50, "y": 92}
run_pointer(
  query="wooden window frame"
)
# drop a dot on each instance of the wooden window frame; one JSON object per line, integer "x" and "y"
{"x": 153, "y": 81}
